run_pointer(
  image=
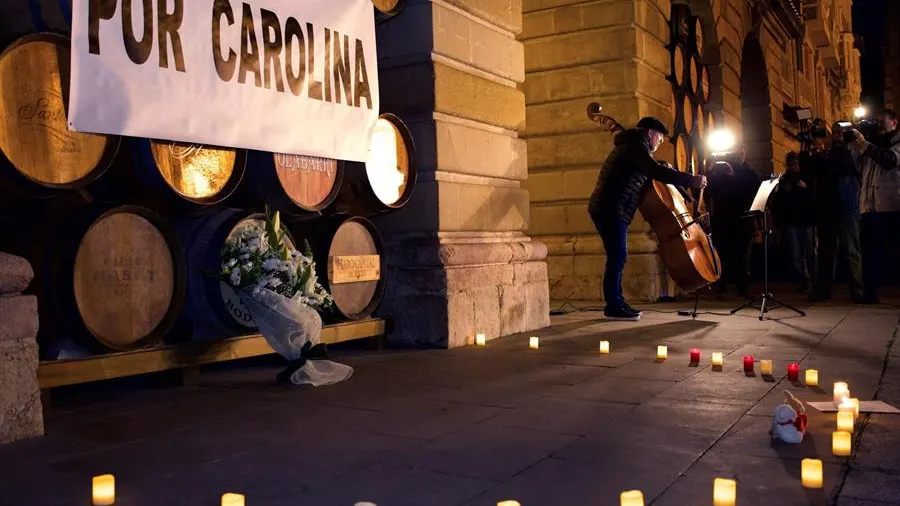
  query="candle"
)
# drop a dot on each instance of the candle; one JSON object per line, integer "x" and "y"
{"x": 793, "y": 372}
{"x": 840, "y": 443}
{"x": 509, "y": 503}
{"x": 841, "y": 392}
{"x": 662, "y": 352}
{"x": 847, "y": 407}
{"x": 724, "y": 492}
{"x": 717, "y": 358}
{"x": 631, "y": 498}
{"x": 855, "y": 403}
{"x": 695, "y": 355}
{"x": 748, "y": 363}
{"x": 812, "y": 377}
{"x": 533, "y": 342}
{"x": 104, "y": 490}
{"x": 231, "y": 499}
{"x": 811, "y": 473}
{"x": 604, "y": 347}
{"x": 480, "y": 339}
{"x": 765, "y": 367}
{"x": 845, "y": 421}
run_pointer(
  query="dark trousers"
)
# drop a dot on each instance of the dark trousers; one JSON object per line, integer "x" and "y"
{"x": 801, "y": 243}
{"x": 733, "y": 239}
{"x": 614, "y": 234}
{"x": 876, "y": 230}
{"x": 840, "y": 242}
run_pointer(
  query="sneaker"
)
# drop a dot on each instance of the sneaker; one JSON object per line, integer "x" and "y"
{"x": 633, "y": 310}
{"x": 622, "y": 314}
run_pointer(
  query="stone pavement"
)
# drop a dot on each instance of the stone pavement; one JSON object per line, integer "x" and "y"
{"x": 561, "y": 425}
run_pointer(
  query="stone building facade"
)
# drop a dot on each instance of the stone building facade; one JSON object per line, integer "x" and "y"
{"x": 762, "y": 57}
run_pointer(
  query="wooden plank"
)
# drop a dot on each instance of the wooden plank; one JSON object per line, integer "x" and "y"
{"x": 56, "y": 373}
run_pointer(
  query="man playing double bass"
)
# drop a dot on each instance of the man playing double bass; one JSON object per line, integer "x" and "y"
{"x": 623, "y": 181}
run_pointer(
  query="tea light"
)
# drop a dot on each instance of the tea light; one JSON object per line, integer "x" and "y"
{"x": 855, "y": 403}
{"x": 509, "y": 503}
{"x": 604, "y": 347}
{"x": 793, "y": 372}
{"x": 724, "y": 492}
{"x": 841, "y": 392}
{"x": 480, "y": 340}
{"x": 811, "y": 473}
{"x": 533, "y": 342}
{"x": 103, "y": 490}
{"x": 662, "y": 352}
{"x": 631, "y": 498}
{"x": 847, "y": 407}
{"x": 231, "y": 499}
{"x": 748, "y": 363}
{"x": 716, "y": 358}
{"x": 695, "y": 355}
{"x": 812, "y": 377}
{"x": 845, "y": 421}
{"x": 765, "y": 367}
{"x": 840, "y": 443}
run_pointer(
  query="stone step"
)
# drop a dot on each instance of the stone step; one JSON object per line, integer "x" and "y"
{"x": 15, "y": 273}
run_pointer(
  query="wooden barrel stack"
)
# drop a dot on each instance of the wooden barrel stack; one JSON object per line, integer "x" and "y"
{"x": 123, "y": 232}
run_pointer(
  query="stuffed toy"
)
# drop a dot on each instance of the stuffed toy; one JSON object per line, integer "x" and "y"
{"x": 789, "y": 420}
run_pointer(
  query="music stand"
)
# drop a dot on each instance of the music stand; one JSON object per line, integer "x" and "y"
{"x": 759, "y": 207}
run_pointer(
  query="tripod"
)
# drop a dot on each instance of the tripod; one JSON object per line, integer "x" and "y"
{"x": 766, "y": 298}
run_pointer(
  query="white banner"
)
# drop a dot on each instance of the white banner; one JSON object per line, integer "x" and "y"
{"x": 286, "y": 76}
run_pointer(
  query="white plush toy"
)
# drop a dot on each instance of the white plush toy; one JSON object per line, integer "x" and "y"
{"x": 789, "y": 420}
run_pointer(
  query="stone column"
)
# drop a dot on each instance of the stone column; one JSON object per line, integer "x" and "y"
{"x": 21, "y": 415}
{"x": 459, "y": 260}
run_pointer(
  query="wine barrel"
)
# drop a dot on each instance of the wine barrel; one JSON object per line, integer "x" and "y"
{"x": 187, "y": 175}
{"x": 111, "y": 281}
{"x": 41, "y": 157}
{"x": 213, "y": 309}
{"x": 350, "y": 263}
{"x": 387, "y": 179}
{"x": 298, "y": 186}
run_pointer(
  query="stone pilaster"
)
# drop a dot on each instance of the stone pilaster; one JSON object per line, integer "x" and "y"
{"x": 459, "y": 260}
{"x": 21, "y": 415}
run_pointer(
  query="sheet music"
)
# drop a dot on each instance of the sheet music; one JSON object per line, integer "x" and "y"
{"x": 761, "y": 199}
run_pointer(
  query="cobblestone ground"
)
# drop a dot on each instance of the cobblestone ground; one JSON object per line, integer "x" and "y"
{"x": 561, "y": 425}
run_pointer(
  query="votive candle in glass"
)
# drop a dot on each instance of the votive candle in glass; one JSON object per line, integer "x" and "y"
{"x": 748, "y": 363}
{"x": 811, "y": 473}
{"x": 534, "y": 342}
{"x": 716, "y": 358}
{"x": 480, "y": 339}
{"x": 841, "y": 392}
{"x": 695, "y": 355}
{"x": 604, "y": 347}
{"x": 724, "y": 492}
{"x": 631, "y": 498}
{"x": 765, "y": 367}
{"x": 812, "y": 378}
{"x": 662, "y": 352}
{"x": 232, "y": 499}
{"x": 845, "y": 421}
{"x": 793, "y": 372}
{"x": 840, "y": 443}
{"x": 103, "y": 490}
{"x": 855, "y": 403}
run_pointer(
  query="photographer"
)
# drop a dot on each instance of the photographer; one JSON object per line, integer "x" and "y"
{"x": 795, "y": 210}
{"x": 837, "y": 210}
{"x": 879, "y": 199}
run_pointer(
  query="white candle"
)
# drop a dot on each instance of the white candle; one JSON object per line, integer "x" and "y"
{"x": 847, "y": 407}
{"x": 534, "y": 342}
{"x": 845, "y": 421}
{"x": 231, "y": 499}
{"x": 841, "y": 392}
{"x": 631, "y": 498}
{"x": 509, "y": 503}
{"x": 811, "y": 473}
{"x": 812, "y": 377}
{"x": 855, "y": 403}
{"x": 716, "y": 358}
{"x": 765, "y": 367}
{"x": 724, "y": 492}
{"x": 480, "y": 340}
{"x": 840, "y": 443}
{"x": 662, "y": 352}
{"x": 604, "y": 347}
{"x": 103, "y": 490}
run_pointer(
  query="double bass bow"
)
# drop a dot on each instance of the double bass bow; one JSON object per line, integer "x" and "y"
{"x": 685, "y": 244}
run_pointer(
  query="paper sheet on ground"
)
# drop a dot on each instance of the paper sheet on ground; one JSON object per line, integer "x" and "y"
{"x": 864, "y": 407}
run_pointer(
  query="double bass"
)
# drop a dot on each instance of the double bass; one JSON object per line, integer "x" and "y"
{"x": 685, "y": 245}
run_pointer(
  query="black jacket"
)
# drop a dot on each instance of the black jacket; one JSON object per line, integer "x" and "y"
{"x": 626, "y": 176}
{"x": 732, "y": 195}
{"x": 795, "y": 203}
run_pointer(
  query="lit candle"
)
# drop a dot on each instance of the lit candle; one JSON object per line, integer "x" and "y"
{"x": 812, "y": 377}
{"x": 533, "y": 342}
{"x": 811, "y": 473}
{"x": 765, "y": 367}
{"x": 793, "y": 372}
{"x": 847, "y": 407}
{"x": 695, "y": 355}
{"x": 748, "y": 363}
{"x": 845, "y": 421}
{"x": 509, "y": 503}
{"x": 662, "y": 352}
{"x": 631, "y": 498}
{"x": 724, "y": 492}
{"x": 855, "y": 403}
{"x": 231, "y": 499}
{"x": 841, "y": 392}
{"x": 104, "y": 490}
{"x": 480, "y": 339}
{"x": 716, "y": 358}
{"x": 840, "y": 443}
{"x": 604, "y": 347}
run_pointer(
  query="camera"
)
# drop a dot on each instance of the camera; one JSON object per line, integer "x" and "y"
{"x": 815, "y": 130}
{"x": 869, "y": 128}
